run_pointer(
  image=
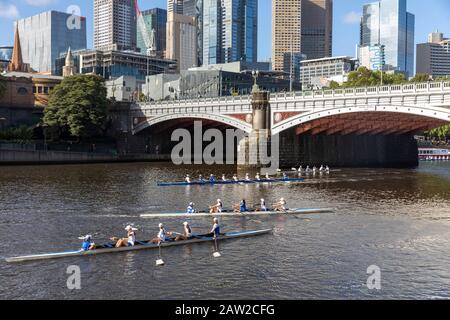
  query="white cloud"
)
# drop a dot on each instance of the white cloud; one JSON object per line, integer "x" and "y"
{"x": 8, "y": 11}
{"x": 40, "y": 3}
{"x": 352, "y": 17}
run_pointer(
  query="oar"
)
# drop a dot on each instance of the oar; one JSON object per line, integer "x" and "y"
{"x": 159, "y": 261}
{"x": 216, "y": 254}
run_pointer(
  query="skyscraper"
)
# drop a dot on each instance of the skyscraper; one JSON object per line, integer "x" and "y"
{"x": 387, "y": 23}
{"x": 114, "y": 25}
{"x": 230, "y": 31}
{"x": 44, "y": 37}
{"x": 154, "y": 19}
{"x": 433, "y": 57}
{"x": 175, "y": 6}
{"x": 181, "y": 42}
{"x": 301, "y": 27}
{"x": 194, "y": 8}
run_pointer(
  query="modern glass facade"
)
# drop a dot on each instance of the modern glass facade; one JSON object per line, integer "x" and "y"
{"x": 45, "y": 36}
{"x": 230, "y": 31}
{"x": 6, "y": 53}
{"x": 155, "y": 19}
{"x": 388, "y": 23}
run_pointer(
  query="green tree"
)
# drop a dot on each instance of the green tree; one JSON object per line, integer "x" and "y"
{"x": 22, "y": 134}
{"x": 421, "y": 77}
{"x": 364, "y": 77}
{"x": 2, "y": 86}
{"x": 440, "y": 132}
{"x": 78, "y": 105}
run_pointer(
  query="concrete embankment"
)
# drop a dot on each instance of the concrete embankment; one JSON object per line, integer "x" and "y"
{"x": 21, "y": 157}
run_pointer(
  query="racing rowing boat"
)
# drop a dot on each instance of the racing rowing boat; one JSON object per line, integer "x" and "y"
{"x": 220, "y": 182}
{"x": 233, "y": 214}
{"x": 140, "y": 245}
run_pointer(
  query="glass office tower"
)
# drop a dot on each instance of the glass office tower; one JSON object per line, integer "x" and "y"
{"x": 388, "y": 23}
{"x": 230, "y": 31}
{"x": 155, "y": 19}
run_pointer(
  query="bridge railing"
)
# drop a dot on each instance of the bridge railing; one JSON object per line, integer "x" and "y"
{"x": 306, "y": 95}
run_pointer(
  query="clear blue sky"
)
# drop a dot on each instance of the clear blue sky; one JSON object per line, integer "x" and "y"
{"x": 430, "y": 15}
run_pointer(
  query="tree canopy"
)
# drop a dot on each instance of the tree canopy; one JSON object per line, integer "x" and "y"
{"x": 440, "y": 132}
{"x": 78, "y": 106}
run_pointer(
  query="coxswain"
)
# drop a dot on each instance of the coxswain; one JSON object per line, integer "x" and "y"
{"x": 187, "y": 179}
{"x": 88, "y": 244}
{"x": 217, "y": 208}
{"x": 187, "y": 233}
{"x": 190, "y": 209}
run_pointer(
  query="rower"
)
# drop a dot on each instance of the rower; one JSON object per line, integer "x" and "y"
{"x": 190, "y": 209}
{"x": 88, "y": 244}
{"x": 187, "y": 233}
{"x": 224, "y": 178}
{"x": 263, "y": 206}
{"x": 235, "y": 178}
{"x": 321, "y": 168}
{"x": 212, "y": 178}
{"x": 314, "y": 169}
{"x": 280, "y": 205}
{"x": 308, "y": 169}
{"x": 267, "y": 176}
{"x": 200, "y": 178}
{"x": 247, "y": 177}
{"x": 215, "y": 231}
{"x": 217, "y": 208}
{"x": 162, "y": 235}
{"x": 241, "y": 207}
{"x": 327, "y": 169}
{"x": 187, "y": 179}
{"x": 257, "y": 177}
{"x": 130, "y": 240}
{"x": 300, "y": 169}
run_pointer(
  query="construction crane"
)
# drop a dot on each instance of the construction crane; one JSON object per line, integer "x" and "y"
{"x": 149, "y": 38}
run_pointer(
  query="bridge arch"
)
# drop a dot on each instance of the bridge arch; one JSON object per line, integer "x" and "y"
{"x": 439, "y": 115}
{"x": 222, "y": 118}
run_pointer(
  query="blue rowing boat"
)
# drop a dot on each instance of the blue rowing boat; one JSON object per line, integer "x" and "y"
{"x": 220, "y": 182}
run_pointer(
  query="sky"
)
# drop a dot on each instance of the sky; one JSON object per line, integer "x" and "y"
{"x": 430, "y": 15}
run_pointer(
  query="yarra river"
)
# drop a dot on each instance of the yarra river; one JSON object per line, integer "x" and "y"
{"x": 396, "y": 219}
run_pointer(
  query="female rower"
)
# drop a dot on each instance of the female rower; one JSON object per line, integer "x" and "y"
{"x": 215, "y": 231}
{"x": 190, "y": 209}
{"x": 187, "y": 179}
{"x": 262, "y": 205}
{"x": 217, "y": 208}
{"x": 280, "y": 205}
{"x": 163, "y": 235}
{"x": 235, "y": 178}
{"x": 267, "y": 176}
{"x": 200, "y": 178}
{"x": 257, "y": 177}
{"x": 130, "y": 240}
{"x": 240, "y": 207}
{"x": 247, "y": 177}
{"x": 88, "y": 244}
{"x": 187, "y": 233}
{"x": 224, "y": 178}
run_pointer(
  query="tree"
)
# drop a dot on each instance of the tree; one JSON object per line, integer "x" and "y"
{"x": 364, "y": 77}
{"x": 421, "y": 77}
{"x": 440, "y": 132}
{"x": 78, "y": 106}
{"x": 2, "y": 86}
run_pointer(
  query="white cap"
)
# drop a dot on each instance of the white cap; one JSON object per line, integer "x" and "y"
{"x": 262, "y": 199}
{"x": 186, "y": 223}
{"x": 216, "y": 220}
{"x": 161, "y": 225}
{"x": 85, "y": 238}
{"x": 128, "y": 228}
{"x": 282, "y": 199}
{"x": 218, "y": 200}
{"x": 191, "y": 203}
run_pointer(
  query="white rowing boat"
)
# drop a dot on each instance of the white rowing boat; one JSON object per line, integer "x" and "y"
{"x": 233, "y": 214}
{"x": 143, "y": 245}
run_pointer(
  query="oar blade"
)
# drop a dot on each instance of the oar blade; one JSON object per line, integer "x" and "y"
{"x": 217, "y": 254}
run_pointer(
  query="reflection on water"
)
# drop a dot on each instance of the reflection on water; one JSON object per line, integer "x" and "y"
{"x": 396, "y": 219}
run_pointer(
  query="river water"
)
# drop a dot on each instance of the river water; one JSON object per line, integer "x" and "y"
{"x": 398, "y": 220}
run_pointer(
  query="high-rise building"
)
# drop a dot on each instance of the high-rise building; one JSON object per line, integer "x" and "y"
{"x": 387, "y": 23}
{"x": 114, "y": 25}
{"x": 230, "y": 31}
{"x": 155, "y": 22}
{"x": 433, "y": 57}
{"x": 175, "y": 6}
{"x": 181, "y": 42}
{"x": 45, "y": 36}
{"x": 302, "y": 27}
{"x": 194, "y": 8}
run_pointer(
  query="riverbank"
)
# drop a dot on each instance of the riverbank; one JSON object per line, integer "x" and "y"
{"x": 42, "y": 157}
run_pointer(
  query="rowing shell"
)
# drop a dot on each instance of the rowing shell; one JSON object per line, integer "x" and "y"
{"x": 143, "y": 245}
{"x": 219, "y": 182}
{"x": 233, "y": 214}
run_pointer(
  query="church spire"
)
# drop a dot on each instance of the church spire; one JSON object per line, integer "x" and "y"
{"x": 16, "y": 61}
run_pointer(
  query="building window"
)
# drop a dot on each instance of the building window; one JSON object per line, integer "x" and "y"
{"x": 34, "y": 89}
{"x": 39, "y": 89}
{"x": 22, "y": 91}
{"x": 45, "y": 90}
